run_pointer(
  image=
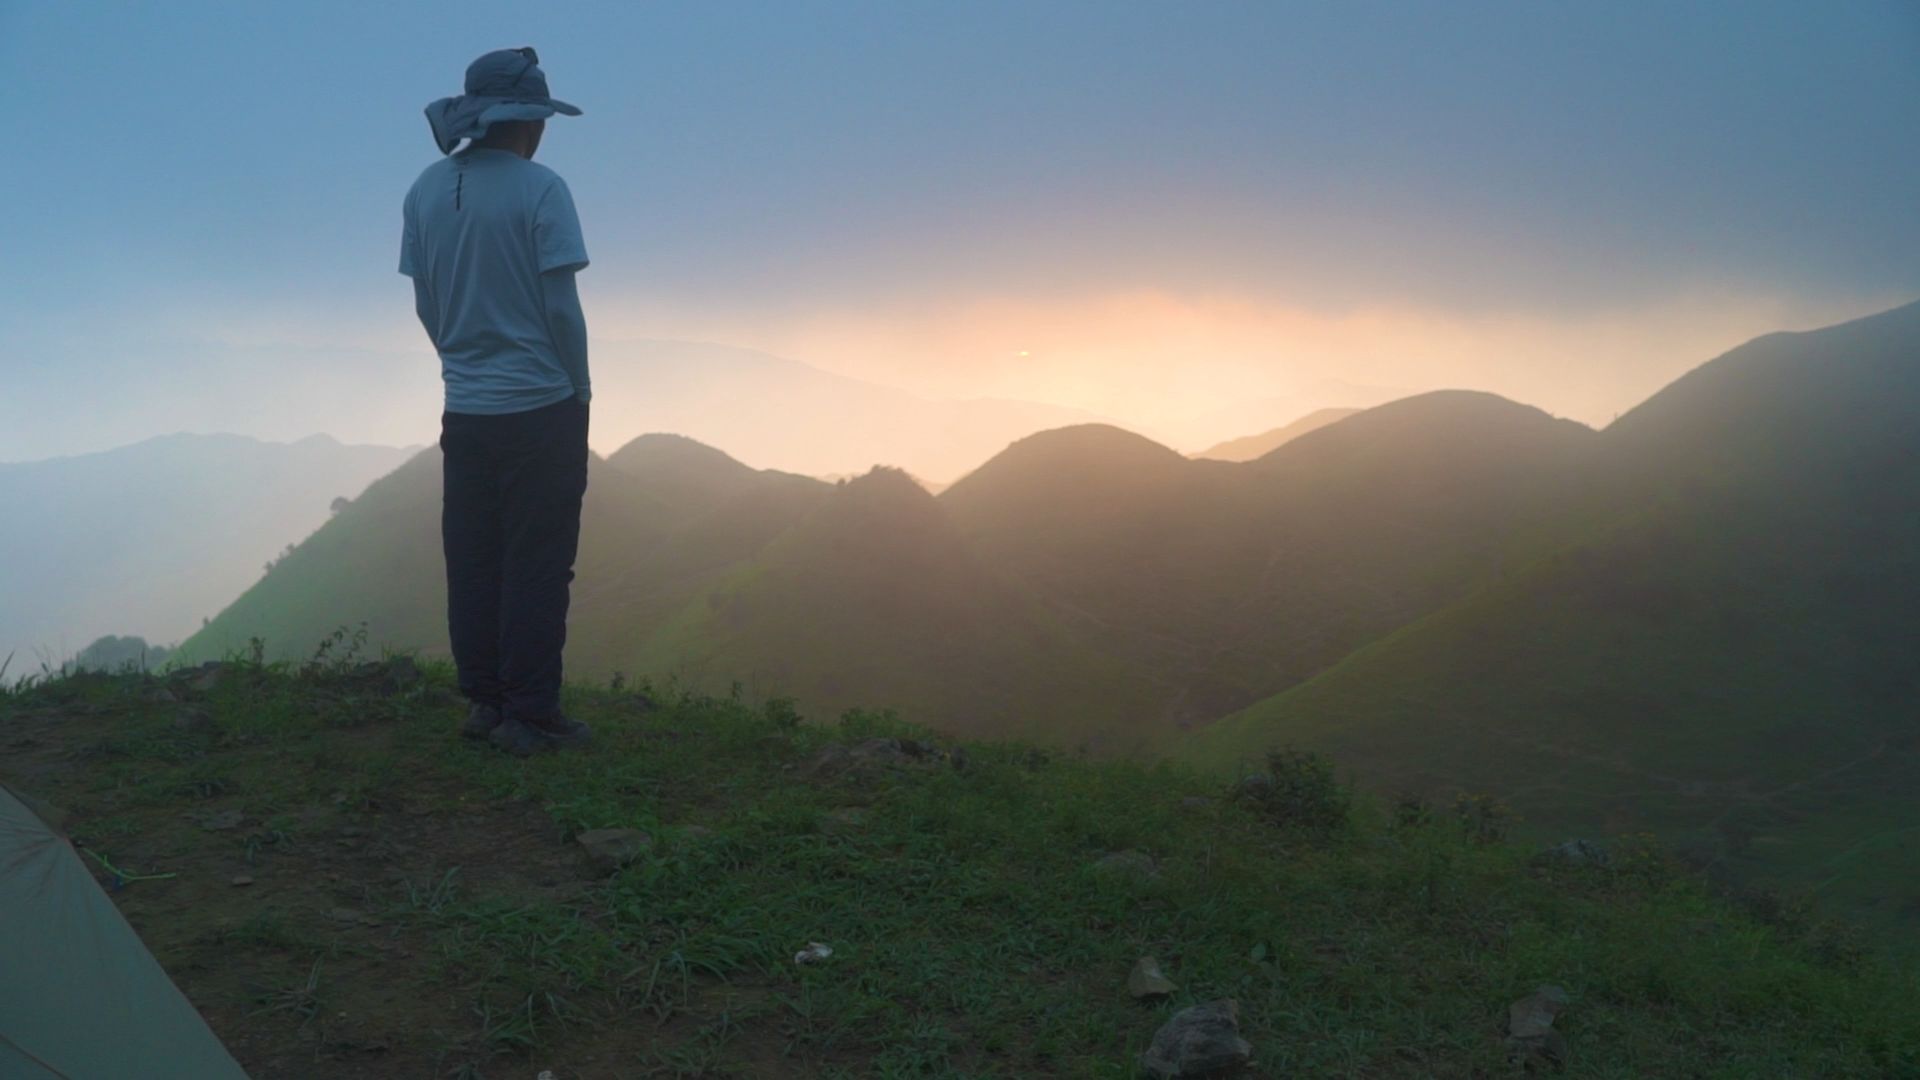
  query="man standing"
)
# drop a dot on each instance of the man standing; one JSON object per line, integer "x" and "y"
{"x": 492, "y": 243}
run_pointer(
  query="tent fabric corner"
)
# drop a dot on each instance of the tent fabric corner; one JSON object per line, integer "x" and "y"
{"x": 82, "y": 996}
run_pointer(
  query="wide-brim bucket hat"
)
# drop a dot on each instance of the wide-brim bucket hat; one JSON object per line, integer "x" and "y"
{"x": 506, "y": 84}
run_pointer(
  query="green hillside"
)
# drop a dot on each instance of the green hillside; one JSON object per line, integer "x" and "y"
{"x": 1233, "y": 581}
{"x": 1085, "y": 586}
{"x": 874, "y": 596}
{"x": 378, "y": 562}
{"x": 696, "y": 569}
{"x": 343, "y": 888}
{"x": 1727, "y": 662}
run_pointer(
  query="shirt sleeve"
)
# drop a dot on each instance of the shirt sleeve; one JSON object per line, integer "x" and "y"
{"x": 556, "y": 230}
{"x": 409, "y": 239}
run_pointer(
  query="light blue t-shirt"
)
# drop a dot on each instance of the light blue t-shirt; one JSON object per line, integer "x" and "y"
{"x": 480, "y": 227}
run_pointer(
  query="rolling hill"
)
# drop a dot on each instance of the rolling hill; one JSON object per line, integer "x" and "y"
{"x": 1234, "y": 581}
{"x": 698, "y": 569}
{"x": 1248, "y": 447}
{"x": 1726, "y": 660}
{"x": 1085, "y": 585}
{"x": 874, "y": 598}
{"x": 683, "y": 511}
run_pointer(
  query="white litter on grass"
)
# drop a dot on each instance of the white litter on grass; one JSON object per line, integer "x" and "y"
{"x": 813, "y": 953}
{"x": 545, "y": 1074}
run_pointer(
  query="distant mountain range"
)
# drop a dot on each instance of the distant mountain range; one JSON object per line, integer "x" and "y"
{"x": 769, "y": 410}
{"x": 1086, "y": 575}
{"x": 148, "y": 539}
{"x": 1249, "y": 447}
{"x": 1694, "y": 621}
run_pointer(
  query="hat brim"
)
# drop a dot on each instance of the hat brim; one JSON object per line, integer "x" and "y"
{"x": 525, "y": 110}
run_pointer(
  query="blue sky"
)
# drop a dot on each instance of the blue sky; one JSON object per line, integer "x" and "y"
{"x": 203, "y": 198}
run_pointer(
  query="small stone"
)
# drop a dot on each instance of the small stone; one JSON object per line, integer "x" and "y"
{"x": 835, "y": 758}
{"x": 242, "y": 880}
{"x": 1147, "y": 981}
{"x": 1133, "y": 864}
{"x": 1530, "y": 1025}
{"x": 1198, "y": 1040}
{"x": 610, "y": 849}
{"x": 1532, "y": 1016}
{"x": 885, "y": 751}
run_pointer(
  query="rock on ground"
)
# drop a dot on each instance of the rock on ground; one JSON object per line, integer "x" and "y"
{"x": 1133, "y": 864}
{"x": 1530, "y": 1025}
{"x": 610, "y": 849}
{"x": 836, "y": 758}
{"x": 1198, "y": 1040}
{"x": 1147, "y": 981}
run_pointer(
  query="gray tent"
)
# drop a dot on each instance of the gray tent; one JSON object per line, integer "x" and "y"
{"x": 80, "y": 996}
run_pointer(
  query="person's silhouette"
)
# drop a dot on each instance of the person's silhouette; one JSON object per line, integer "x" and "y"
{"x": 492, "y": 243}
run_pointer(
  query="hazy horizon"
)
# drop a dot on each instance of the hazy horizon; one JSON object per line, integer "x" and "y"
{"x": 1159, "y": 216}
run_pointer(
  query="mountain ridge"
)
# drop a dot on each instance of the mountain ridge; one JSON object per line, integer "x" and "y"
{"x": 1249, "y": 447}
{"x": 1717, "y": 657}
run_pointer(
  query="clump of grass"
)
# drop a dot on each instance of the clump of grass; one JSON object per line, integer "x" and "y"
{"x": 302, "y": 999}
{"x": 1485, "y": 819}
{"x": 1299, "y": 789}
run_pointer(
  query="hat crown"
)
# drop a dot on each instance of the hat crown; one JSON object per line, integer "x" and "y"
{"x": 507, "y": 73}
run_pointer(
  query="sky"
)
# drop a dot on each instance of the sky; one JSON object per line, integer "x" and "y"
{"x": 1155, "y": 212}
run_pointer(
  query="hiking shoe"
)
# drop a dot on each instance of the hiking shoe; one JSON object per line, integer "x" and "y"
{"x": 482, "y": 718}
{"x": 523, "y": 739}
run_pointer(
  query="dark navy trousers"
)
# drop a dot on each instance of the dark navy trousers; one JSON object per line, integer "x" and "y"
{"x": 510, "y": 525}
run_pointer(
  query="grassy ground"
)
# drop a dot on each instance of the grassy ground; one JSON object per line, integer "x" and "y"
{"x": 415, "y": 906}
